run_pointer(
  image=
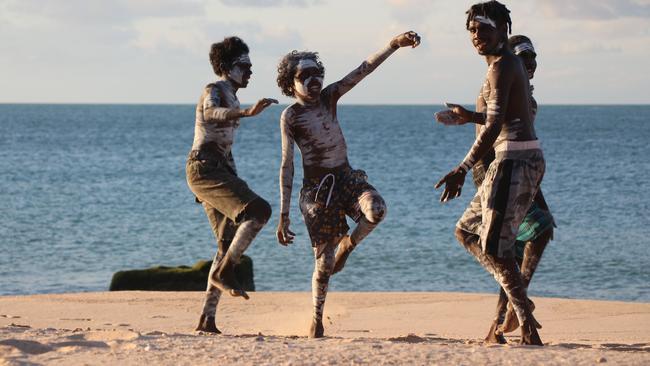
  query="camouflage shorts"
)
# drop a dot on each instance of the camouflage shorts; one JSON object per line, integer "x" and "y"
{"x": 326, "y": 220}
{"x": 503, "y": 199}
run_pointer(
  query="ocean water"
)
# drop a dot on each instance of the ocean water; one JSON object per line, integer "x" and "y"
{"x": 87, "y": 190}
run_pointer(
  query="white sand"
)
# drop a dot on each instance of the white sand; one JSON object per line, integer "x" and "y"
{"x": 270, "y": 328}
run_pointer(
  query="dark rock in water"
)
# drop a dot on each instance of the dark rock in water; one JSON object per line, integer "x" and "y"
{"x": 181, "y": 278}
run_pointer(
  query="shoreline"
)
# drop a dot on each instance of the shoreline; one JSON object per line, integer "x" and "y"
{"x": 360, "y": 327}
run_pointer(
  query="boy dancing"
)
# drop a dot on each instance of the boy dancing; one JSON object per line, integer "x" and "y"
{"x": 331, "y": 188}
{"x": 236, "y": 213}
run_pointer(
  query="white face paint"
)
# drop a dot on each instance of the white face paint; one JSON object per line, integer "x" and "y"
{"x": 243, "y": 59}
{"x": 485, "y": 20}
{"x": 236, "y": 73}
{"x": 522, "y": 47}
{"x": 303, "y": 87}
{"x": 306, "y": 63}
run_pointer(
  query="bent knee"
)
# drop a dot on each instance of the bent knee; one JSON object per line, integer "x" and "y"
{"x": 378, "y": 213}
{"x": 373, "y": 207}
{"x": 259, "y": 210}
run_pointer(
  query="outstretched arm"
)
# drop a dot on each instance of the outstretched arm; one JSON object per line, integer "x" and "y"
{"x": 497, "y": 105}
{"x": 458, "y": 115}
{"x": 284, "y": 234}
{"x": 214, "y": 112}
{"x": 353, "y": 78}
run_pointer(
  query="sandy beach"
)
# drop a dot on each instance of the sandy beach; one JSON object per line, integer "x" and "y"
{"x": 270, "y": 328}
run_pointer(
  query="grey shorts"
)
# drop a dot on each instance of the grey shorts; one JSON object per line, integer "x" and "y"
{"x": 214, "y": 184}
{"x": 503, "y": 199}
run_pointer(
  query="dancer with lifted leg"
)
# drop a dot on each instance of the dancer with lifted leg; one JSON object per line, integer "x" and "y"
{"x": 536, "y": 230}
{"x": 331, "y": 188}
{"x": 489, "y": 226}
{"x": 235, "y": 212}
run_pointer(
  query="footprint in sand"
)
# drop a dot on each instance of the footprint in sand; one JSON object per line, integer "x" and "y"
{"x": 411, "y": 338}
{"x": 25, "y": 346}
{"x": 73, "y": 346}
{"x": 156, "y": 333}
{"x": 113, "y": 335}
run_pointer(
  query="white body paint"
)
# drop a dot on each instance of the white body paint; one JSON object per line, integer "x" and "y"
{"x": 243, "y": 59}
{"x": 522, "y": 47}
{"x": 212, "y": 124}
{"x": 512, "y": 130}
{"x": 448, "y": 118}
{"x": 485, "y": 20}
{"x": 236, "y": 74}
{"x": 306, "y": 63}
{"x": 316, "y": 130}
{"x": 303, "y": 88}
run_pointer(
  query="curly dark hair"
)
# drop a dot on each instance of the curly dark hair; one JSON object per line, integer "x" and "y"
{"x": 287, "y": 69}
{"x": 491, "y": 9}
{"x": 517, "y": 39}
{"x": 222, "y": 54}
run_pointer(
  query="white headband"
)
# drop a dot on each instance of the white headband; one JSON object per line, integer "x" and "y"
{"x": 485, "y": 20}
{"x": 305, "y": 63}
{"x": 243, "y": 59}
{"x": 524, "y": 47}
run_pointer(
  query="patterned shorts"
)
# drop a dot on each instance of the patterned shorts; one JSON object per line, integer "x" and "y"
{"x": 326, "y": 201}
{"x": 503, "y": 199}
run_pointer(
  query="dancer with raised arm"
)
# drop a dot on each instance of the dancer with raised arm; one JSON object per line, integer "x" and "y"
{"x": 331, "y": 188}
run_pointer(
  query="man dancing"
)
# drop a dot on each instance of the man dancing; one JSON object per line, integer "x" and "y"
{"x": 536, "y": 230}
{"x": 331, "y": 188}
{"x": 235, "y": 212}
{"x": 489, "y": 226}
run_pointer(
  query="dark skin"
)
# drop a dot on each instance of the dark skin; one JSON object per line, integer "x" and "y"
{"x": 508, "y": 85}
{"x": 505, "y": 320}
{"x": 507, "y": 93}
{"x": 260, "y": 105}
{"x": 284, "y": 234}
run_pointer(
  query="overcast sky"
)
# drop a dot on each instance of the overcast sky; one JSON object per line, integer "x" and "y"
{"x": 156, "y": 51}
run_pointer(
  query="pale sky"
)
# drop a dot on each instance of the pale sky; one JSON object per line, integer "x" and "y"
{"x": 156, "y": 51}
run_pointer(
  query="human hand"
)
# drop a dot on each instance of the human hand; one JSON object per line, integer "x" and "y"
{"x": 409, "y": 38}
{"x": 454, "y": 116}
{"x": 285, "y": 236}
{"x": 258, "y": 107}
{"x": 453, "y": 182}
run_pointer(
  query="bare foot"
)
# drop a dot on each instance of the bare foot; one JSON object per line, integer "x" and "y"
{"x": 207, "y": 324}
{"x": 511, "y": 323}
{"x": 494, "y": 335}
{"x": 316, "y": 330}
{"x": 224, "y": 279}
{"x": 239, "y": 293}
{"x": 529, "y": 335}
{"x": 342, "y": 254}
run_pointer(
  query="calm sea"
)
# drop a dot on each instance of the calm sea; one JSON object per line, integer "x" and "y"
{"x": 87, "y": 190}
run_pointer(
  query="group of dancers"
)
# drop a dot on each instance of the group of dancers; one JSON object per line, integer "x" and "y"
{"x": 506, "y": 226}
